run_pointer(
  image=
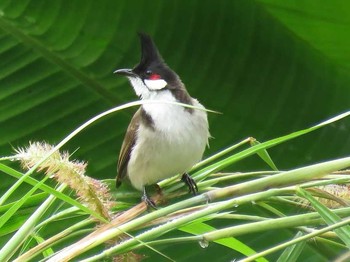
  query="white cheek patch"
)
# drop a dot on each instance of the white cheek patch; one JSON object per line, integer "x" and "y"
{"x": 155, "y": 84}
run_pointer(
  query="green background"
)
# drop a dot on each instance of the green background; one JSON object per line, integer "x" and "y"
{"x": 271, "y": 67}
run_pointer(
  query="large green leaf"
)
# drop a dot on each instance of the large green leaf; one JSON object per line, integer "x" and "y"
{"x": 251, "y": 60}
{"x": 272, "y": 67}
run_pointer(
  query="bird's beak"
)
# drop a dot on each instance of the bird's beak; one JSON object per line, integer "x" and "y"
{"x": 124, "y": 72}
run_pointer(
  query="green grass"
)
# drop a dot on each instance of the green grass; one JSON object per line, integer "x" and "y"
{"x": 229, "y": 206}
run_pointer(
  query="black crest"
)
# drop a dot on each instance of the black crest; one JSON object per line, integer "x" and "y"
{"x": 149, "y": 51}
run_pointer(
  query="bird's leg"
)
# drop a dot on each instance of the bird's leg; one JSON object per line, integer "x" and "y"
{"x": 145, "y": 198}
{"x": 192, "y": 186}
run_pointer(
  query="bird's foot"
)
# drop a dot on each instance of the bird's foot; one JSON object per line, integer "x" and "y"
{"x": 149, "y": 202}
{"x": 192, "y": 186}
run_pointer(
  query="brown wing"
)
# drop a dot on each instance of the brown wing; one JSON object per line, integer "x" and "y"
{"x": 128, "y": 144}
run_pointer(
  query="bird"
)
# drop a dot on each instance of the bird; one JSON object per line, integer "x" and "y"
{"x": 162, "y": 139}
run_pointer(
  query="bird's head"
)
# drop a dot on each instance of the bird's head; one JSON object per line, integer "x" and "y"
{"x": 152, "y": 74}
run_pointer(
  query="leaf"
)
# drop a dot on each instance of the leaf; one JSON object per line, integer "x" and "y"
{"x": 291, "y": 253}
{"x": 49, "y": 251}
{"x": 329, "y": 217}
{"x": 47, "y": 189}
{"x": 331, "y": 19}
{"x": 264, "y": 155}
{"x": 57, "y": 72}
{"x": 230, "y": 242}
{"x": 13, "y": 209}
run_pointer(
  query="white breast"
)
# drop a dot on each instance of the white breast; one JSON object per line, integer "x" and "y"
{"x": 175, "y": 144}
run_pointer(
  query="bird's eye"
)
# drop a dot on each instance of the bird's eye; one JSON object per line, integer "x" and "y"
{"x": 148, "y": 72}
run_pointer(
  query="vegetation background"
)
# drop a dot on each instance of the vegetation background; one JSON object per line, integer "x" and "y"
{"x": 270, "y": 66}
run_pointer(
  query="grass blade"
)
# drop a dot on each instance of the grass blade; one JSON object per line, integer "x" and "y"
{"x": 264, "y": 155}
{"x": 329, "y": 217}
{"x": 291, "y": 253}
{"x": 230, "y": 242}
{"x": 50, "y": 190}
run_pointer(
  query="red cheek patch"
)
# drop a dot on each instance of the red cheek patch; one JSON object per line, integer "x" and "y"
{"x": 154, "y": 77}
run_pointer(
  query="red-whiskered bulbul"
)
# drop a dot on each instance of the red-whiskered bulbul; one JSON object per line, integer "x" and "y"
{"x": 162, "y": 139}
